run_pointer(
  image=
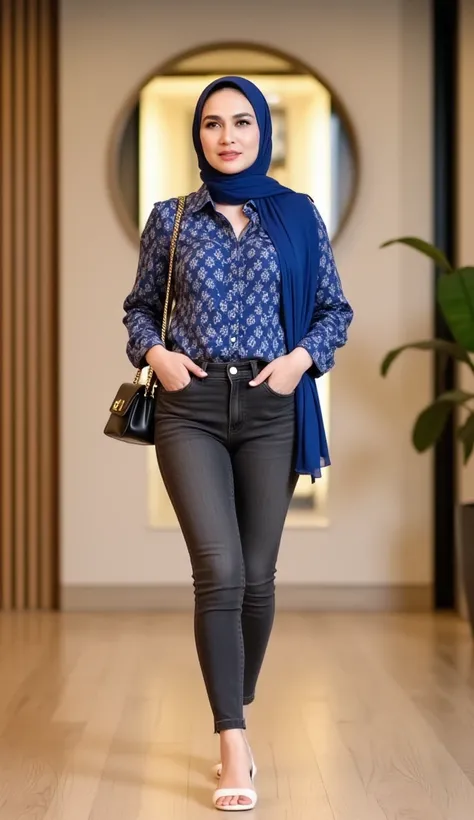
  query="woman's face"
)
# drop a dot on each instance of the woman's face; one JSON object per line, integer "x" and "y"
{"x": 229, "y": 133}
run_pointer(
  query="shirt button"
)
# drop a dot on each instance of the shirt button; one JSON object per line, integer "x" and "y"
{"x": 233, "y": 339}
{"x": 232, "y": 371}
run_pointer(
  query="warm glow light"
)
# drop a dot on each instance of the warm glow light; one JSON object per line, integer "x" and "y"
{"x": 151, "y": 151}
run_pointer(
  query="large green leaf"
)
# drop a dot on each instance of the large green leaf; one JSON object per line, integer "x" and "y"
{"x": 426, "y": 248}
{"x": 466, "y": 434}
{"x": 430, "y": 424}
{"x": 456, "y": 300}
{"x": 438, "y": 345}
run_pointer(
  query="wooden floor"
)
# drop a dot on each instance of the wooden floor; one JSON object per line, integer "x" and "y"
{"x": 365, "y": 717}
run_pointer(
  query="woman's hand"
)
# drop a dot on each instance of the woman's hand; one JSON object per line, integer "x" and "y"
{"x": 284, "y": 373}
{"x": 172, "y": 369}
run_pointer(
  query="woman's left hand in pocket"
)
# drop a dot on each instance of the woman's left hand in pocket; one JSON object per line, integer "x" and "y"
{"x": 284, "y": 374}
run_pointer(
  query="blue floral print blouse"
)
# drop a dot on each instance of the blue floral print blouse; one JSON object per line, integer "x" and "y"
{"x": 227, "y": 290}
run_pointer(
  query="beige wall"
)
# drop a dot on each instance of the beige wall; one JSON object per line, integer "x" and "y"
{"x": 375, "y": 53}
{"x": 466, "y": 183}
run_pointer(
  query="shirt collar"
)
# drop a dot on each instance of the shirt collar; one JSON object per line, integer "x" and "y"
{"x": 202, "y": 197}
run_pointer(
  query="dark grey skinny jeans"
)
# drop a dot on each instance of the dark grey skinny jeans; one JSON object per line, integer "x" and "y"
{"x": 226, "y": 454}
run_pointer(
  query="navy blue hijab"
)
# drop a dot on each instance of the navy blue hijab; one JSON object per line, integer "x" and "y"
{"x": 289, "y": 220}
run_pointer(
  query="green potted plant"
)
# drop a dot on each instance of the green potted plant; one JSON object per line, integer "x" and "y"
{"x": 455, "y": 297}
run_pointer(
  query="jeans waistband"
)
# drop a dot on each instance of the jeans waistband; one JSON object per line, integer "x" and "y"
{"x": 234, "y": 370}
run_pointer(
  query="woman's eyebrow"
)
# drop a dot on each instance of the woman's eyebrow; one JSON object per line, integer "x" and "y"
{"x": 217, "y": 117}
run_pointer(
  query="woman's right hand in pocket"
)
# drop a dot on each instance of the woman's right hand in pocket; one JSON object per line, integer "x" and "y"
{"x": 172, "y": 369}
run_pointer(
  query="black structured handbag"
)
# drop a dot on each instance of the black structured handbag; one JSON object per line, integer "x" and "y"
{"x": 132, "y": 410}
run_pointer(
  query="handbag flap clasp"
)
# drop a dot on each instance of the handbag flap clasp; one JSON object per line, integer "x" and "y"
{"x": 125, "y": 395}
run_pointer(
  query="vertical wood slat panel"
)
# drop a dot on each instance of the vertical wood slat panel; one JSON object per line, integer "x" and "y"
{"x": 32, "y": 331}
{"x": 6, "y": 307}
{"x": 28, "y": 396}
{"x": 20, "y": 288}
{"x": 49, "y": 422}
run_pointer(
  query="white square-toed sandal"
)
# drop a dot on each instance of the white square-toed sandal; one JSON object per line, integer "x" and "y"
{"x": 251, "y": 794}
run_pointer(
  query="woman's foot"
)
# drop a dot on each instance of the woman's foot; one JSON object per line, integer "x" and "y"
{"x": 217, "y": 769}
{"x": 236, "y": 767}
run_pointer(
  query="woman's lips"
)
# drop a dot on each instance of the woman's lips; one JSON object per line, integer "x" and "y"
{"x": 228, "y": 157}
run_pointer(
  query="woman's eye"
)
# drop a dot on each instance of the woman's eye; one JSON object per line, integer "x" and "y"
{"x": 239, "y": 122}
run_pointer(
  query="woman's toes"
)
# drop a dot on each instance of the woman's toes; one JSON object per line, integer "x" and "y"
{"x": 233, "y": 801}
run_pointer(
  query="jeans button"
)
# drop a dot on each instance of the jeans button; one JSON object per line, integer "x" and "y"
{"x": 232, "y": 371}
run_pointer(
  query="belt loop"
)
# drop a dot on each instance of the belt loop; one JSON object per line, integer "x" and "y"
{"x": 203, "y": 366}
{"x": 254, "y": 366}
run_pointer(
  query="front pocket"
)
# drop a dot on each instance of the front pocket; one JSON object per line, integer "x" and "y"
{"x": 176, "y": 392}
{"x": 278, "y": 395}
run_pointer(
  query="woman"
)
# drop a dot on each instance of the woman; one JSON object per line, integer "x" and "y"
{"x": 259, "y": 313}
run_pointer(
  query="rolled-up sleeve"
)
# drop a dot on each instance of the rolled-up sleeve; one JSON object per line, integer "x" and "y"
{"x": 144, "y": 305}
{"x": 332, "y": 312}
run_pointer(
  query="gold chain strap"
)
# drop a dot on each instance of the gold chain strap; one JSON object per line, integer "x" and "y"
{"x": 164, "y": 324}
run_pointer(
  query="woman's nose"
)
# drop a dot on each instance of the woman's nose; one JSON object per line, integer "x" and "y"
{"x": 226, "y": 136}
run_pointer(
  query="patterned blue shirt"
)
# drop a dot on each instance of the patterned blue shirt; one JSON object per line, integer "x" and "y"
{"x": 227, "y": 290}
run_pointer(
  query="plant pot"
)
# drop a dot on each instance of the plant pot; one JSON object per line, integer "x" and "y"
{"x": 467, "y": 557}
